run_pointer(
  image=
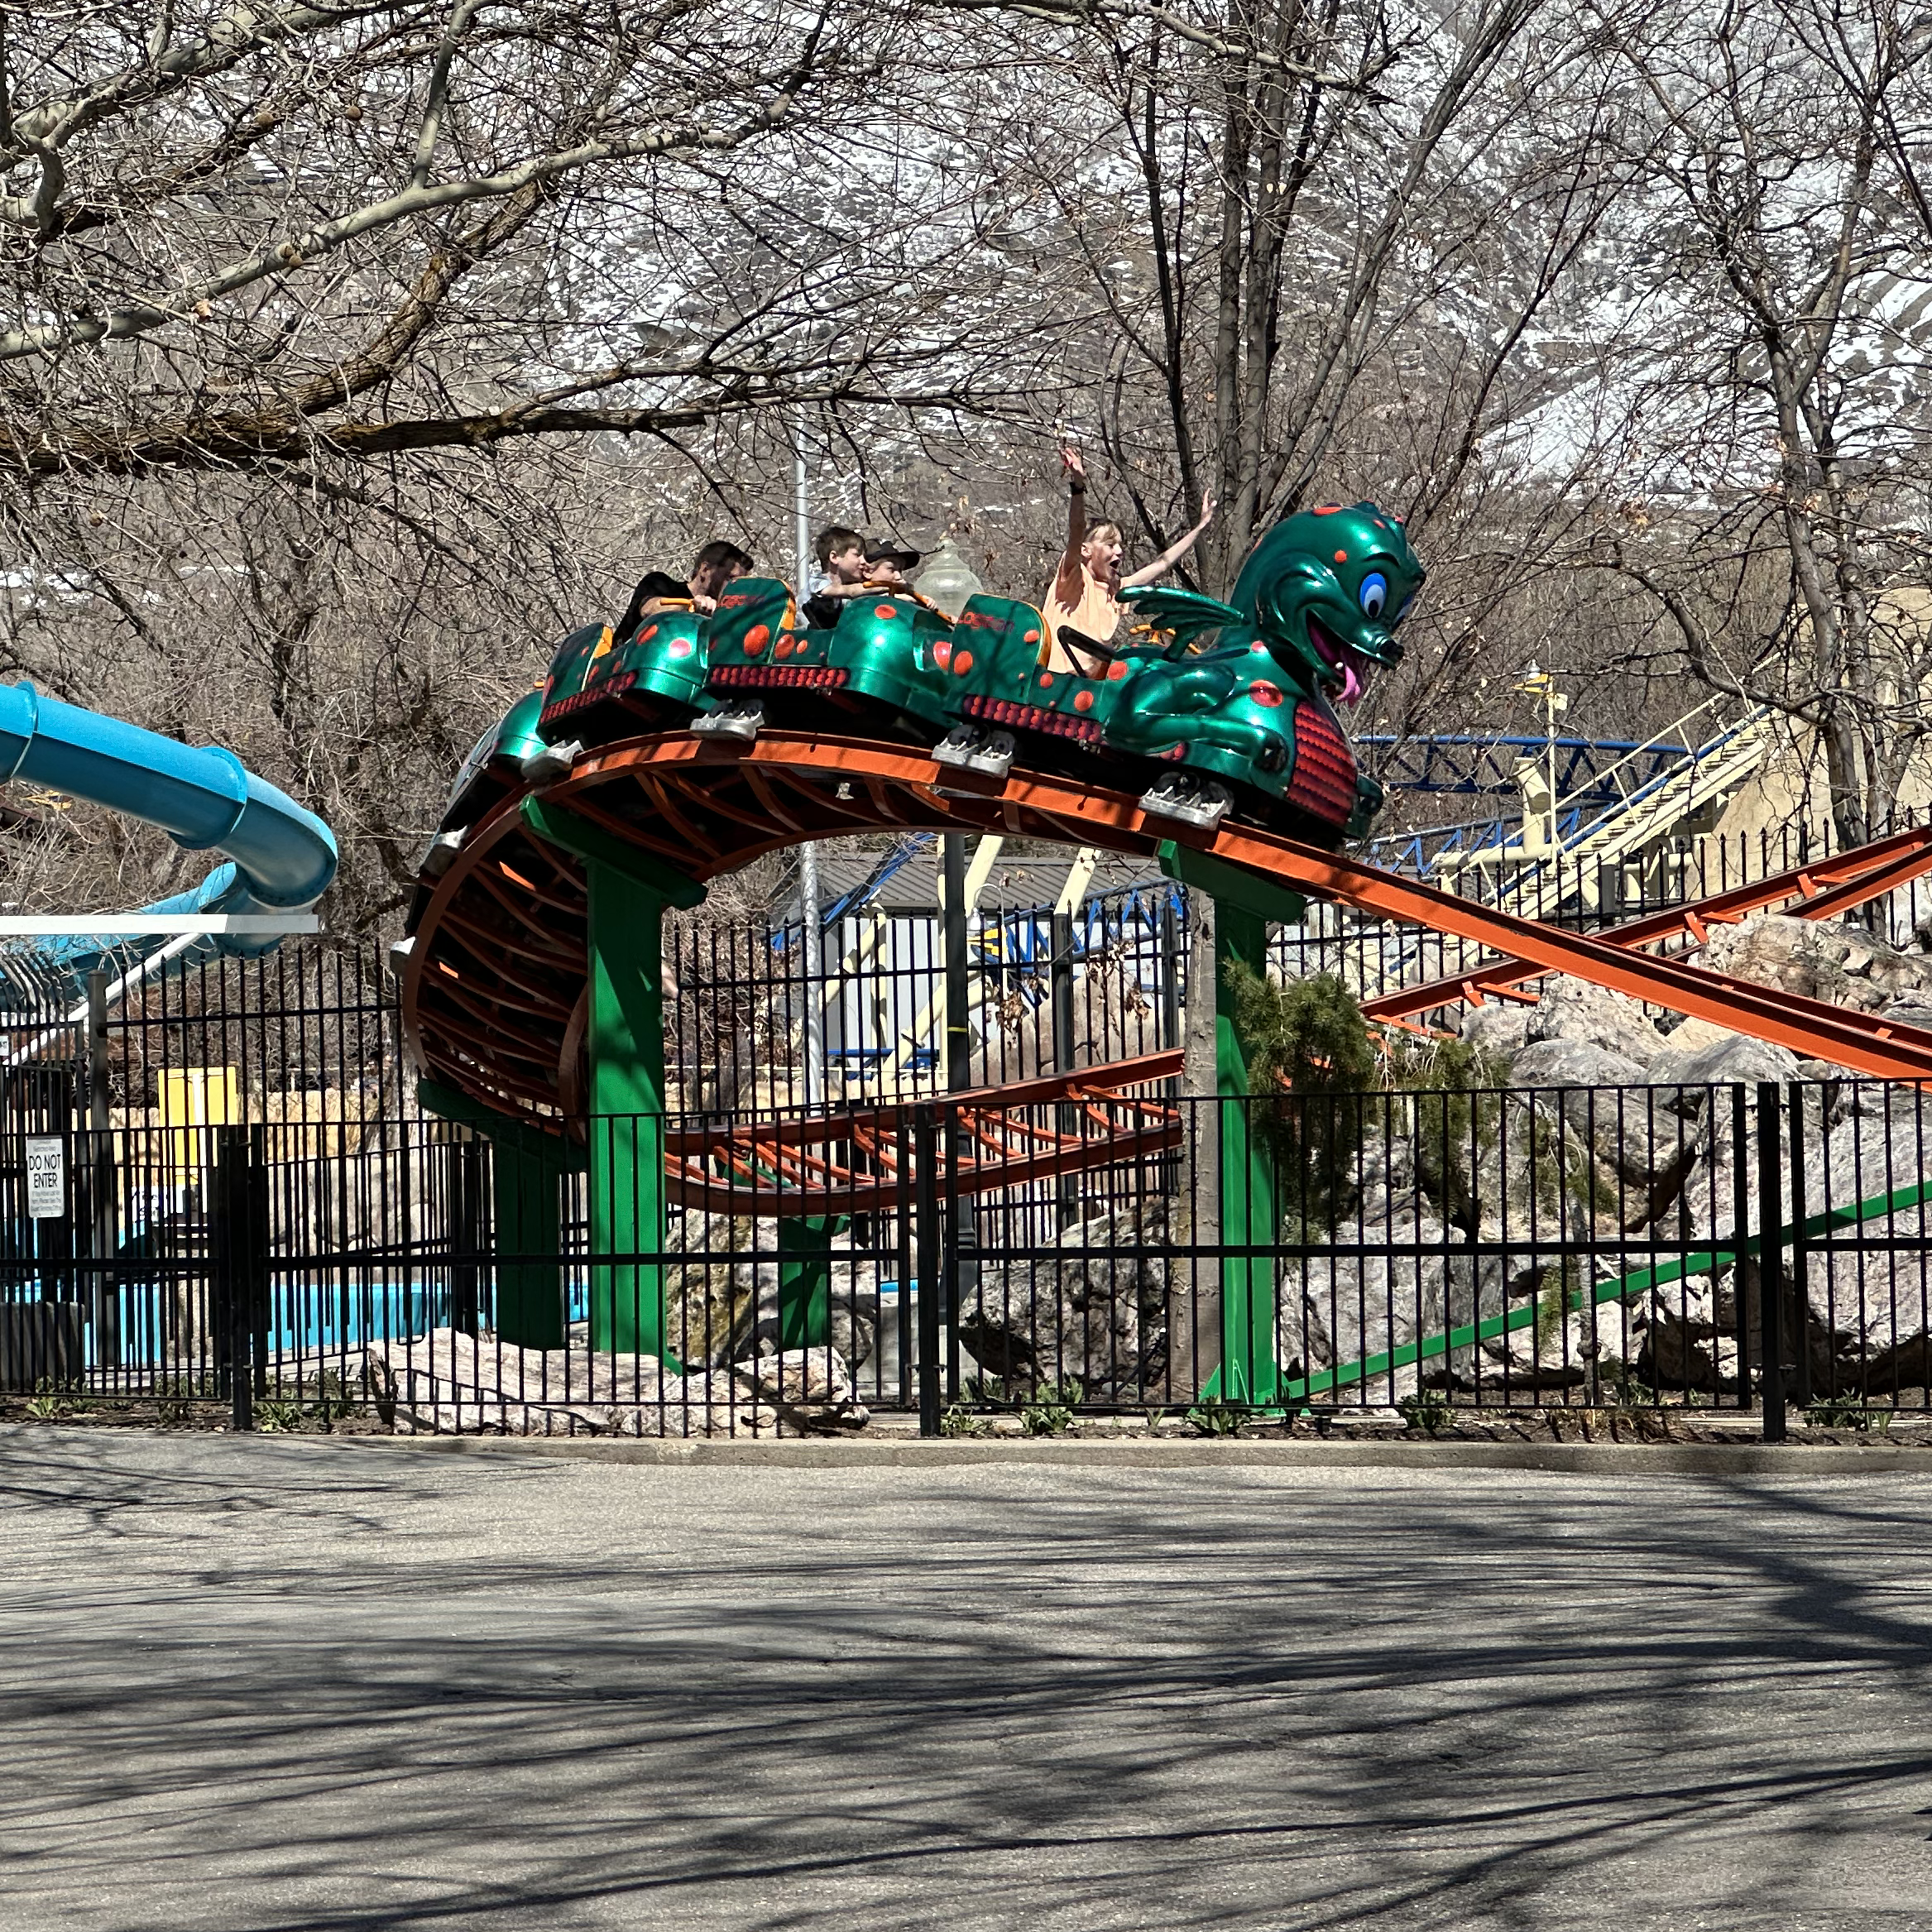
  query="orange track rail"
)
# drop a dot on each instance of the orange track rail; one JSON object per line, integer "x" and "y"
{"x": 1829, "y": 886}
{"x": 494, "y": 992}
{"x": 771, "y": 1169}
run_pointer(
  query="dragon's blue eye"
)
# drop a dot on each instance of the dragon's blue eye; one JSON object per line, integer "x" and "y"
{"x": 1374, "y": 593}
{"x": 1404, "y": 610}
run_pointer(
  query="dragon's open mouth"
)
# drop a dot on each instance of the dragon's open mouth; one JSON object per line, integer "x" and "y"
{"x": 1347, "y": 663}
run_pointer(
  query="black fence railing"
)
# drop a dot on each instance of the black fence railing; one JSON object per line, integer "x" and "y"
{"x": 749, "y": 1025}
{"x": 1432, "y": 1254}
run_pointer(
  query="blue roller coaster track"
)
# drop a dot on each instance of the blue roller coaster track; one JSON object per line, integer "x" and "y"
{"x": 1471, "y": 766}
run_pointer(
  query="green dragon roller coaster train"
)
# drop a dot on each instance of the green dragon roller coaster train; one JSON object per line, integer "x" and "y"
{"x": 1228, "y": 707}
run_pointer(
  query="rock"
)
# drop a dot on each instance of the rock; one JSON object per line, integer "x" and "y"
{"x": 1500, "y": 1027}
{"x": 1901, "y": 977}
{"x": 811, "y": 1387}
{"x": 1865, "y": 1297}
{"x": 855, "y": 1321}
{"x": 1691, "y": 1035}
{"x": 1905, "y": 1365}
{"x": 1680, "y": 1353}
{"x": 1078, "y": 1312}
{"x": 1872, "y": 1297}
{"x": 450, "y": 1383}
{"x": 1353, "y": 1306}
{"x": 1638, "y": 1133}
{"x": 1820, "y": 959}
{"x": 1828, "y": 1070}
{"x": 800, "y": 1376}
{"x": 1731, "y": 1058}
{"x": 1777, "y": 949}
{"x": 1573, "y": 1062}
{"x": 1574, "y": 1010}
{"x": 712, "y": 1299}
{"x": 1914, "y": 1012}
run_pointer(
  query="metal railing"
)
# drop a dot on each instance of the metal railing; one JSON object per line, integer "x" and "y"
{"x": 1433, "y": 1255}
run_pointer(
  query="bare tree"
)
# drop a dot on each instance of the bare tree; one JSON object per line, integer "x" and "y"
{"x": 1769, "y": 489}
{"x": 1346, "y": 218}
{"x": 237, "y": 234}
{"x": 351, "y": 353}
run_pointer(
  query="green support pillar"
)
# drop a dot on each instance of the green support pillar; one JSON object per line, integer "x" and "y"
{"x": 526, "y": 1193}
{"x": 1250, "y": 1213}
{"x": 804, "y": 1280}
{"x": 1250, "y": 1207}
{"x": 526, "y": 1178}
{"x": 625, "y": 1045}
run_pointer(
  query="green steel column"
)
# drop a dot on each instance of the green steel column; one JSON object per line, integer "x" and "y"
{"x": 624, "y": 1044}
{"x": 526, "y": 1179}
{"x": 1249, "y": 1198}
{"x": 804, "y": 1280}
{"x": 526, "y": 1195}
{"x": 1250, "y": 1214}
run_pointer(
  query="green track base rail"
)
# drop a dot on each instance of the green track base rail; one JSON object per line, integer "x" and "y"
{"x": 1619, "y": 1288}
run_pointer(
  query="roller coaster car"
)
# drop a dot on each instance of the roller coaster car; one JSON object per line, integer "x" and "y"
{"x": 1233, "y": 698}
{"x": 885, "y": 660}
{"x": 600, "y": 686}
{"x": 1233, "y": 716}
{"x": 493, "y": 769}
{"x": 495, "y": 764}
{"x": 1313, "y": 611}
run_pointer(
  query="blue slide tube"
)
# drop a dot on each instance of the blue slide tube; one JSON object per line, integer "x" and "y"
{"x": 284, "y": 857}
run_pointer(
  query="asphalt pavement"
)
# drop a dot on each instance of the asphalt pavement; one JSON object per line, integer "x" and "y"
{"x": 261, "y": 1684}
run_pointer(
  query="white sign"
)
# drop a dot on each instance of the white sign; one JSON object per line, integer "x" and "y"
{"x": 46, "y": 1178}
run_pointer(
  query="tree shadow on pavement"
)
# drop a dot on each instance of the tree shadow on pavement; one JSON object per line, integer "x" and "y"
{"x": 256, "y": 1684}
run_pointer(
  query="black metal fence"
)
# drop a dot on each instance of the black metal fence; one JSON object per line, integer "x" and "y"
{"x": 253, "y": 1208}
{"x": 1430, "y": 1255}
{"x": 312, "y": 1032}
{"x": 749, "y": 1023}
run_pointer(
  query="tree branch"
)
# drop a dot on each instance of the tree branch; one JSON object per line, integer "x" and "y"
{"x": 294, "y": 251}
{"x": 466, "y": 10}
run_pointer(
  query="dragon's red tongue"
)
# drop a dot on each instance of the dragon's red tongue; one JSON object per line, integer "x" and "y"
{"x": 1351, "y": 684}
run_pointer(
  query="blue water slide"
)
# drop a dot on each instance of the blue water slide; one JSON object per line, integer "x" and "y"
{"x": 281, "y": 857}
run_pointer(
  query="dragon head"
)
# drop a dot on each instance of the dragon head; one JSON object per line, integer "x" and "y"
{"x": 1329, "y": 586}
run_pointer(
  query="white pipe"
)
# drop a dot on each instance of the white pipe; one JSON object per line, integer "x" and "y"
{"x": 127, "y": 981}
{"x": 802, "y": 527}
{"x": 815, "y": 989}
{"x": 812, "y": 906}
{"x": 155, "y": 925}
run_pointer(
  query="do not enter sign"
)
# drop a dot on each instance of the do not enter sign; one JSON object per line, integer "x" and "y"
{"x": 46, "y": 1178}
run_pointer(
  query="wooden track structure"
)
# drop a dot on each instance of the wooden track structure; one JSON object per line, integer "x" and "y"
{"x": 495, "y": 995}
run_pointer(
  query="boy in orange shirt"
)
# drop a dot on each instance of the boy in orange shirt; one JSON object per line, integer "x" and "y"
{"x": 1083, "y": 606}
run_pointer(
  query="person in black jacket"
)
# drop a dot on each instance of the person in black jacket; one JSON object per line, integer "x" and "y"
{"x": 842, "y": 556}
{"x": 717, "y": 564}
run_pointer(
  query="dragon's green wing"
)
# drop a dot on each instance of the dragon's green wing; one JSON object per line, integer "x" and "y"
{"x": 1187, "y": 613}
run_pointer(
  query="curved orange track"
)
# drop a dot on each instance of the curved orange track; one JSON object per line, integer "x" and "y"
{"x": 494, "y": 991}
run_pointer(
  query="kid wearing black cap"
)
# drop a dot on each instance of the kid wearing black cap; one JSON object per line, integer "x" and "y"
{"x": 855, "y": 568}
